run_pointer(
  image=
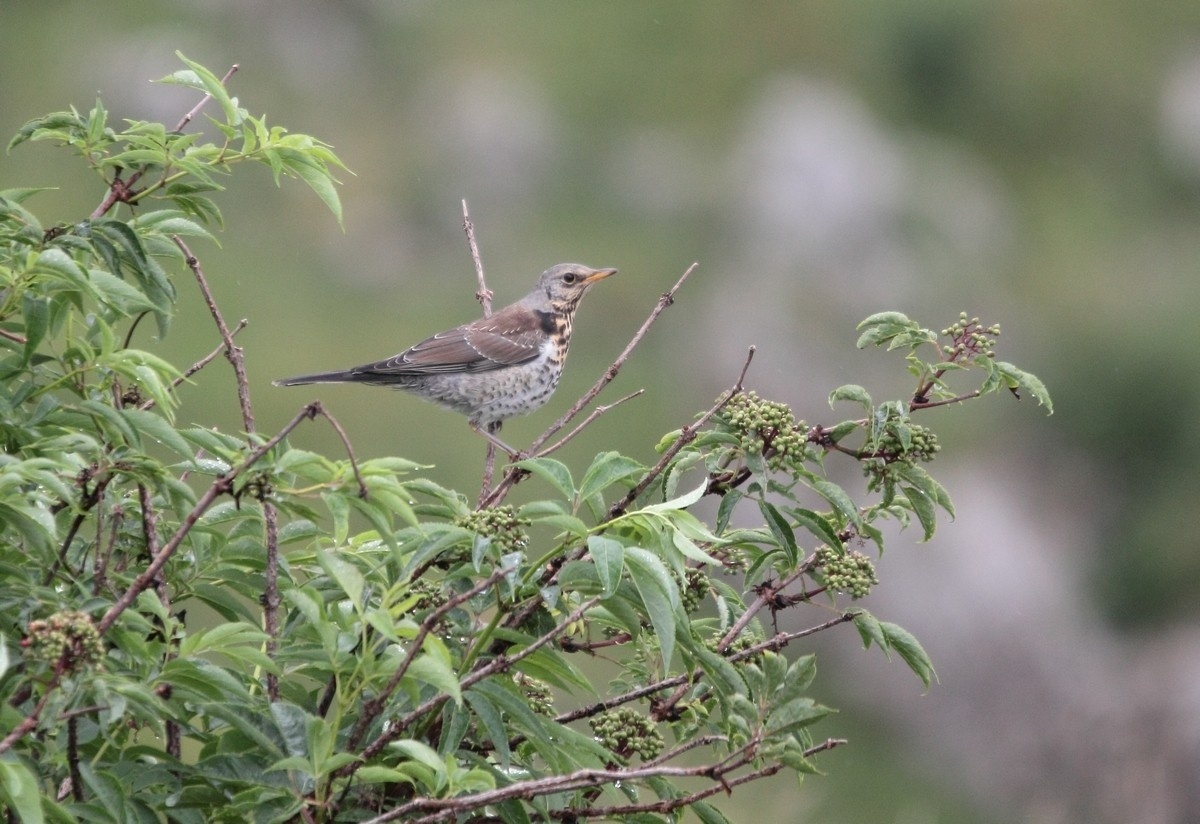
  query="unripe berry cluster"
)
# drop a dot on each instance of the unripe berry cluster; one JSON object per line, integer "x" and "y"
{"x": 500, "y": 523}
{"x": 538, "y": 693}
{"x": 922, "y": 445}
{"x": 694, "y": 587}
{"x": 431, "y": 595}
{"x": 969, "y": 337}
{"x": 626, "y": 732}
{"x": 851, "y": 572}
{"x": 67, "y": 636}
{"x": 766, "y": 427}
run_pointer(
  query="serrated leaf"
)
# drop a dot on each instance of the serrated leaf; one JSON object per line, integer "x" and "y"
{"x": 910, "y": 650}
{"x": 607, "y": 469}
{"x": 20, "y": 791}
{"x": 659, "y": 594}
{"x": 853, "y": 393}
{"x": 816, "y": 524}
{"x": 552, "y": 471}
{"x": 346, "y": 574}
{"x": 923, "y": 507}
{"x": 838, "y": 498}
{"x": 608, "y": 556}
{"x": 436, "y": 673}
{"x": 781, "y": 530}
{"x": 1020, "y": 379}
{"x": 682, "y": 502}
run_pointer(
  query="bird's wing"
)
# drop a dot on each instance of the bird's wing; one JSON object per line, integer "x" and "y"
{"x": 506, "y": 338}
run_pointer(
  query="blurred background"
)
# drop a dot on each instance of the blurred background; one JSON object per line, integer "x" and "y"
{"x": 1035, "y": 164}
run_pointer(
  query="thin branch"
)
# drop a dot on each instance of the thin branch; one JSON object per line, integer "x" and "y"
{"x": 484, "y": 295}
{"x": 595, "y": 413}
{"x": 914, "y": 405}
{"x": 187, "y": 118}
{"x": 13, "y": 336}
{"x": 198, "y": 365}
{"x": 341, "y": 433}
{"x": 448, "y": 808}
{"x": 666, "y": 805}
{"x": 232, "y": 352}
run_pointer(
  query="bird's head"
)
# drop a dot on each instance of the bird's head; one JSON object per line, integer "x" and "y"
{"x": 564, "y": 285}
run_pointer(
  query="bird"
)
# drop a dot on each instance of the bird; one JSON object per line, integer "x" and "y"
{"x": 493, "y": 368}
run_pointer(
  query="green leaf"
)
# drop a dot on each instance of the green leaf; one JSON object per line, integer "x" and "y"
{"x": 307, "y": 167}
{"x": 609, "y": 557}
{"x": 922, "y": 506}
{"x": 851, "y": 392}
{"x": 909, "y": 649}
{"x": 1017, "y": 379}
{"x": 202, "y": 78}
{"x": 725, "y": 677}
{"x": 489, "y": 715}
{"x": 436, "y": 673}
{"x": 36, "y": 312}
{"x": 19, "y": 787}
{"x": 552, "y": 471}
{"x": 607, "y": 469}
{"x": 659, "y": 594}
{"x": 817, "y": 524}
{"x": 781, "y": 530}
{"x": 423, "y": 754}
{"x": 799, "y": 712}
{"x": 708, "y": 814}
{"x": 682, "y": 502}
{"x": 838, "y": 498}
{"x": 158, "y": 429}
{"x": 346, "y": 574}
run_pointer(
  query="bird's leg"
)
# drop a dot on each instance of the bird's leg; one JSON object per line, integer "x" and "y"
{"x": 489, "y": 433}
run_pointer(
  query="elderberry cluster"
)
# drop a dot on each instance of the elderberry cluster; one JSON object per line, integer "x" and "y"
{"x": 766, "y": 428}
{"x": 969, "y": 337}
{"x": 850, "y": 572}
{"x": 500, "y": 523}
{"x": 626, "y": 732}
{"x": 431, "y": 595}
{"x": 694, "y": 587}
{"x": 70, "y": 637}
{"x": 537, "y": 692}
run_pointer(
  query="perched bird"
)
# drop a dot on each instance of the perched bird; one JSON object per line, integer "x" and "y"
{"x": 493, "y": 368}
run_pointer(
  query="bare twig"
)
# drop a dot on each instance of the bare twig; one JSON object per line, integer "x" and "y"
{"x": 595, "y": 413}
{"x": 13, "y": 336}
{"x": 198, "y": 365}
{"x": 484, "y": 295}
{"x": 187, "y": 118}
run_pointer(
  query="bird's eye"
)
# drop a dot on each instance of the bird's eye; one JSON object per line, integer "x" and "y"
{"x": 569, "y": 278}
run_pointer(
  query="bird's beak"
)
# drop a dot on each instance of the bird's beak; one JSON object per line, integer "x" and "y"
{"x": 599, "y": 274}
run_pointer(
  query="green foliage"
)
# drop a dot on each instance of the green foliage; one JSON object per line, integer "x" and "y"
{"x": 205, "y": 626}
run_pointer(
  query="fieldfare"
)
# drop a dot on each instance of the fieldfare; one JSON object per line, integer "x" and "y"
{"x": 493, "y": 368}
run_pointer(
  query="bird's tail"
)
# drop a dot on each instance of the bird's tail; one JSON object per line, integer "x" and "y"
{"x": 343, "y": 376}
